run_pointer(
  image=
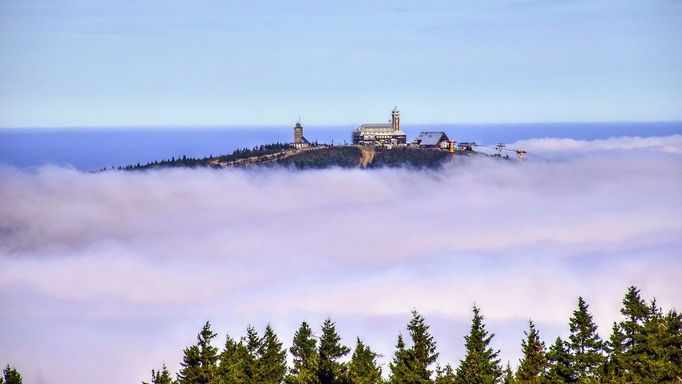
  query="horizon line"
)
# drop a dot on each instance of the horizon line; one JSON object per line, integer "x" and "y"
{"x": 340, "y": 125}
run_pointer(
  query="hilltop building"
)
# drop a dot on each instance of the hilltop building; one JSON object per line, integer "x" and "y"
{"x": 299, "y": 140}
{"x": 381, "y": 135}
{"x": 437, "y": 140}
{"x": 466, "y": 146}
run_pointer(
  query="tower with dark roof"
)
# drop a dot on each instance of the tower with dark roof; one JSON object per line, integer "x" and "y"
{"x": 395, "y": 119}
{"x": 299, "y": 140}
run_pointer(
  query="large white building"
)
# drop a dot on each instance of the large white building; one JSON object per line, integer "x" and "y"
{"x": 386, "y": 134}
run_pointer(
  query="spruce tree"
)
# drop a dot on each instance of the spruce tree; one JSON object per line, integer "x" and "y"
{"x": 11, "y": 375}
{"x": 232, "y": 363}
{"x": 480, "y": 364}
{"x": 669, "y": 347}
{"x": 398, "y": 366}
{"x": 635, "y": 312}
{"x": 423, "y": 351}
{"x": 663, "y": 347}
{"x": 645, "y": 346}
{"x": 635, "y": 353}
{"x": 363, "y": 367}
{"x": 305, "y": 358}
{"x": 271, "y": 366}
{"x": 508, "y": 375}
{"x": 160, "y": 377}
{"x": 560, "y": 369}
{"x": 199, "y": 365}
{"x": 532, "y": 365}
{"x": 585, "y": 345}
{"x": 330, "y": 370}
{"x": 252, "y": 343}
{"x": 615, "y": 368}
{"x": 445, "y": 375}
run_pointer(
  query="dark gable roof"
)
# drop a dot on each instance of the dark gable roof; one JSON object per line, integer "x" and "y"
{"x": 431, "y": 138}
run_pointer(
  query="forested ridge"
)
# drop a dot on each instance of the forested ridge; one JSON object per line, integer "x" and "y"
{"x": 645, "y": 346}
{"x": 193, "y": 162}
{"x": 316, "y": 157}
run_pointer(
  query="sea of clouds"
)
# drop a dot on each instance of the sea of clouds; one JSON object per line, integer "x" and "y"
{"x": 108, "y": 275}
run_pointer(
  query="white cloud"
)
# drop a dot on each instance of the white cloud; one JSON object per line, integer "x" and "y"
{"x": 128, "y": 265}
{"x": 667, "y": 144}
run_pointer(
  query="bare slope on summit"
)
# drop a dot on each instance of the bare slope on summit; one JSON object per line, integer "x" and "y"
{"x": 363, "y": 157}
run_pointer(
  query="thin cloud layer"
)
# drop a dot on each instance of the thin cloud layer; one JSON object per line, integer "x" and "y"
{"x": 668, "y": 144}
{"x": 119, "y": 269}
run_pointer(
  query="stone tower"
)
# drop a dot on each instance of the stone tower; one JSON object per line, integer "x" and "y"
{"x": 298, "y": 133}
{"x": 395, "y": 119}
{"x": 299, "y": 140}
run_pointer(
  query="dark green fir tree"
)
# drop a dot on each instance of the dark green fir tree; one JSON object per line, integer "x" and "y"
{"x": 398, "y": 366}
{"x": 637, "y": 325}
{"x": 534, "y": 361}
{"x": 445, "y": 375}
{"x": 199, "y": 364}
{"x": 635, "y": 352}
{"x": 480, "y": 364}
{"x": 161, "y": 377}
{"x": 252, "y": 342}
{"x": 271, "y": 366}
{"x": 636, "y": 313}
{"x": 305, "y": 358}
{"x": 585, "y": 346}
{"x": 232, "y": 363}
{"x": 363, "y": 367}
{"x": 423, "y": 353}
{"x": 11, "y": 376}
{"x": 559, "y": 365}
{"x": 669, "y": 348}
{"x": 615, "y": 369}
{"x": 330, "y": 369}
{"x": 508, "y": 375}
{"x": 192, "y": 370}
{"x": 663, "y": 346}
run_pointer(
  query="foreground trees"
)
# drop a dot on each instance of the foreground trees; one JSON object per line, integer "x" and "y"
{"x": 411, "y": 365}
{"x": 161, "y": 377}
{"x": 199, "y": 363}
{"x": 330, "y": 370}
{"x": 305, "y": 358}
{"x": 560, "y": 368}
{"x": 10, "y": 375}
{"x": 585, "y": 345}
{"x": 363, "y": 367}
{"x": 534, "y": 361}
{"x": 480, "y": 365}
{"x": 644, "y": 347}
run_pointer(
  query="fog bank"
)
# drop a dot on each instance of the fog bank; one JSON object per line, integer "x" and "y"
{"x": 113, "y": 273}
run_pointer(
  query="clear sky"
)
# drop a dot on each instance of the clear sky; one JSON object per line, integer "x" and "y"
{"x": 125, "y": 62}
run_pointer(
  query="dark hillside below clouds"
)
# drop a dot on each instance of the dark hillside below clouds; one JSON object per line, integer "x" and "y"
{"x": 102, "y": 274}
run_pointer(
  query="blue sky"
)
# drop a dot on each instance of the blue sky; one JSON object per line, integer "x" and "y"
{"x": 118, "y": 63}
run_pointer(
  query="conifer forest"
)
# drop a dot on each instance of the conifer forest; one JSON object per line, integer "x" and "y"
{"x": 645, "y": 346}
